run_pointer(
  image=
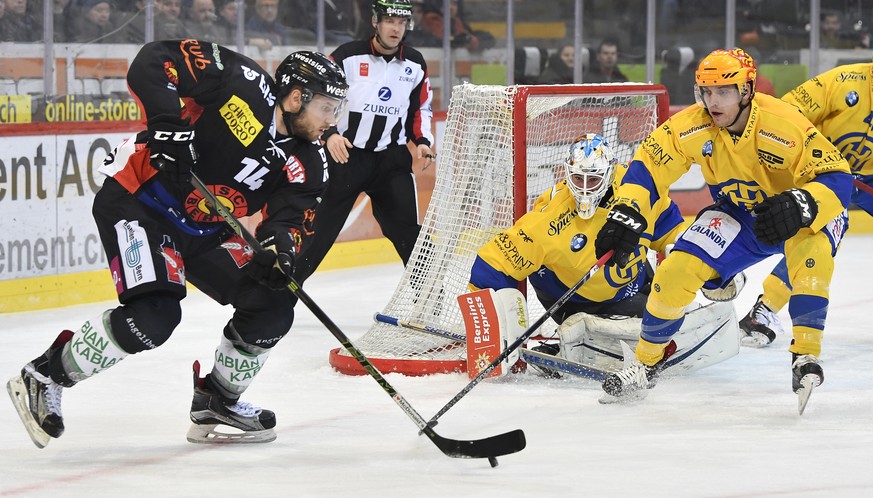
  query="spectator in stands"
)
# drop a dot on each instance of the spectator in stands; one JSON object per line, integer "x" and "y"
{"x": 91, "y": 22}
{"x": 832, "y": 34}
{"x": 559, "y": 70}
{"x": 168, "y": 20}
{"x": 418, "y": 36}
{"x": 265, "y": 25}
{"x": 604, "y": 69}
{"x": 678, "y": 75}
{"x": 18, "y": 23}
{"x": 61, "y": 16}
{"x": 200, "y": 22}
{"x": 226, "y": 21}
{"x": 341, "y": 18}
{"x": 463, "y": 35}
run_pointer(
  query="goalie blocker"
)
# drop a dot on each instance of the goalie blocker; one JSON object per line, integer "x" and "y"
{"x": 493, "y": 320}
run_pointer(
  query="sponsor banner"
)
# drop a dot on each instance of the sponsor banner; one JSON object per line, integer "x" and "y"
{"x": 47, "y": 185}
{"x": 22, "y": 109}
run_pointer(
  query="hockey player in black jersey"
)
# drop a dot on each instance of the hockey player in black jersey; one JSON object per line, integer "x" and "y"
{"x": 254, "y": 143}
{"x": 389, "y": 106}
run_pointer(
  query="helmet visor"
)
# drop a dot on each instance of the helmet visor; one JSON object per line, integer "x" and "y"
{"x": 328, "y": 108}
{"x": 717, "y": 95}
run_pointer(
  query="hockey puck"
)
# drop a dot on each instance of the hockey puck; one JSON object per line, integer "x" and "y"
{"x": 492, "y": 461}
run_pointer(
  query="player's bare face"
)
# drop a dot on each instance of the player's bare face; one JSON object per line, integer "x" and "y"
{"x": 318, "y": 115}
{"x": 723, "y": 103}
{"x": 389, "y": 33}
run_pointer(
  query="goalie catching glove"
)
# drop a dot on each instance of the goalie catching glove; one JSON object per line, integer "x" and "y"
{"x": 621, "y": 232}
{"x": 274, "y": 266}
{"x": 171, "y": 145}
{"x": 780, "y": 217}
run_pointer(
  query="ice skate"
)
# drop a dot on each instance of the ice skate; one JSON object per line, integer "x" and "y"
{"x": 550, "y": 349}
{"x": 806, "y": 375}
{"x": 632, "y": 382}
{"x": 209, "y": 410}
{"x": 37, "y": 398}
{"x": 758, "y": 326}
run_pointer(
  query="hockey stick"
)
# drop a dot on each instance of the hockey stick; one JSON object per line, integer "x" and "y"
{"x": 533, "y": 357}
{"x": 523, "y": 337}
{"x": 863, "y": 186}
{"x": 490, "y": 448}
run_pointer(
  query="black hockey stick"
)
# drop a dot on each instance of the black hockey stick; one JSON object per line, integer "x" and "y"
{"x": 490, "y": 448}
{"x": 522, "y": 338}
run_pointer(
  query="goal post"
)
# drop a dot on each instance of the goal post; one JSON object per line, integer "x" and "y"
{"x": 502, "y": 148}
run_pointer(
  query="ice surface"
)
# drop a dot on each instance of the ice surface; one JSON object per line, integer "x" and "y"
{"x": 730, "y": 430}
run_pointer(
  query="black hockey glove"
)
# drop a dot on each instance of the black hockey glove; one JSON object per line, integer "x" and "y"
{"x": 171, "y": 146}
{"x": 778, "y": 218}
{"x": 274, "y": 266}
{"x": 621, "y": 232}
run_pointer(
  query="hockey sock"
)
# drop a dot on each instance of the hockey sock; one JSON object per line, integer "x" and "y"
{"x": 91, "y": 350}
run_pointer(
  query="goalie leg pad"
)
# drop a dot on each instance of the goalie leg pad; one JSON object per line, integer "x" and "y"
{"x": 709, "y": 335}
{"x": 493, "y": 320}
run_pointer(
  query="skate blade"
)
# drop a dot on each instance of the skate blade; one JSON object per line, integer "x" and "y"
{"x": 208, "y": 434}
{"x": 18, "y": 394}
{"x": 807, "y": 384}
{"x": 625, "y": 399}
{"x": 754, "y": 340}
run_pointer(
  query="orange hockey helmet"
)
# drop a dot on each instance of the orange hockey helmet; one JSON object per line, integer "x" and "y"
{"x": 727, "y": 67}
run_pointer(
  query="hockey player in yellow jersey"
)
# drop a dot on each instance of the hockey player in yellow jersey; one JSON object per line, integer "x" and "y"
{"x": 552, "y": 247}
{"x": 839, "y": 102}
{"x": 780, "y": 187}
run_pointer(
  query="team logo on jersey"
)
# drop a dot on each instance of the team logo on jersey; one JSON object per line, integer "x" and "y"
{"x": 194, "y": 57}
{"x": 200, "y": 211}
{"x": 707, "y": 149}
{"x": 810, "y": 262}
{"x": 172, "y": 73}
{"x": 524, "y": 236}
{"x": 578, "y": 242}
{"x": 173, "y": 261}
{"x": 384, "y": 94}
{"x": 364, "y": 69}
{"x": 852, "y": 98}
{"x": 309, "y": 220}
{"x": 241, "y": 120}
{"x": 294, "y": 170}
{"x": 240, "y": 252}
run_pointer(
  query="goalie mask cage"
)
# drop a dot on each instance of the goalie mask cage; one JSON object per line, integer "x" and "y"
{"x": 502, "y": 148}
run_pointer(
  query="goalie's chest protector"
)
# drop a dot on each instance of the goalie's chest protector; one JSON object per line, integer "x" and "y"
{"x": 567, "y": 251}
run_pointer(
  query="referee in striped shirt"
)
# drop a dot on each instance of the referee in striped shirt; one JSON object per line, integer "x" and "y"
{"x": 389, "y": 106}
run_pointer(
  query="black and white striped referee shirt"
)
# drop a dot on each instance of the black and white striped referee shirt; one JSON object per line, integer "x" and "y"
{"x": 389, "y": 100}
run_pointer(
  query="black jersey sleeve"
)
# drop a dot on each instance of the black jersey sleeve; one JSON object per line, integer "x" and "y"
{"x": 164, "y": 74}
{"x": 293, "y": 202}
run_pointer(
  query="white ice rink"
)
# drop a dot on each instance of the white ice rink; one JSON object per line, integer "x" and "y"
{"x": 731, "y": 430}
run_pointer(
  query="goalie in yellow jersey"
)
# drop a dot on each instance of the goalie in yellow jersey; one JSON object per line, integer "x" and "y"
{"x": 780, "y": 187}
{"x": 839, "y": 102}
{"x": 552, "y": 246}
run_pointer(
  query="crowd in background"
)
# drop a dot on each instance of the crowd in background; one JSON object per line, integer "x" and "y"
{"x": 764, "y": 28}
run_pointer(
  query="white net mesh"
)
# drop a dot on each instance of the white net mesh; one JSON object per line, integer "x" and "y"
{"x": 474, "y": 199}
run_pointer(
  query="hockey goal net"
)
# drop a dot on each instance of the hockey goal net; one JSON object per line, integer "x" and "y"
{"x": 502, "y": 148}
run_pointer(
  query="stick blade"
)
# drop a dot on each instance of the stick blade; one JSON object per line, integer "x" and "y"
{"x": 490, "y": 447}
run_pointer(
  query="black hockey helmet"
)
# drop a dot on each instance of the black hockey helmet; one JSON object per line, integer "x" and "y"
{"x": 315, "y": 72}
{"x": 395, "y": 8}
